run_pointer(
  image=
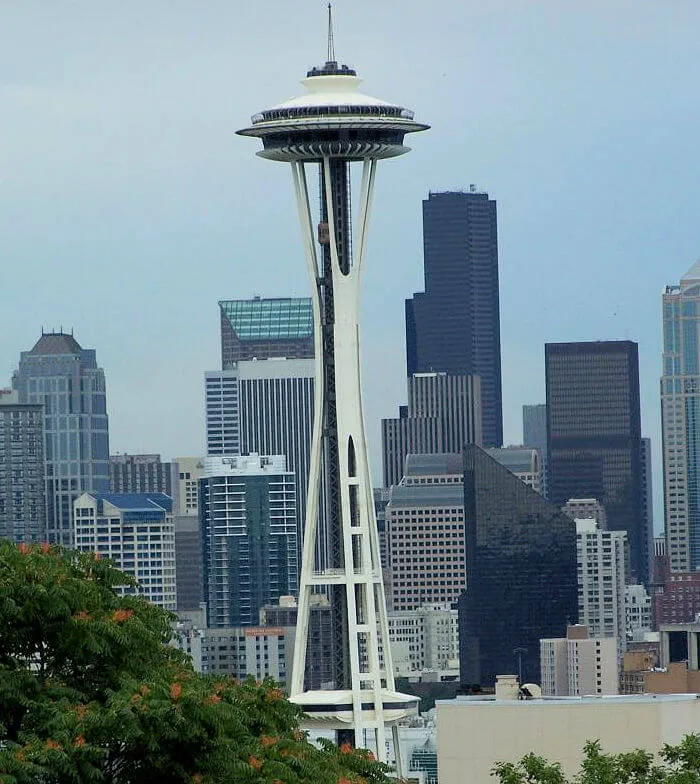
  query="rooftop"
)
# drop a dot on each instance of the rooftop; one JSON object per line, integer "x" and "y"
{"x": 286, "y": 318}
{"x": 56, "y": 343}
{"x": 136, "y": 502}
{"x": 481, "y": 701}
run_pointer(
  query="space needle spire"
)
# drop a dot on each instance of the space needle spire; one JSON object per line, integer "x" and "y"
{"x": 331, "y": 46}
{"x": 334, "y": 128}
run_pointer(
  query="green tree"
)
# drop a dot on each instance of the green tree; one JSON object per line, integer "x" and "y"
{"x": 674, "y": 765}
{"x": 91, "y": 691}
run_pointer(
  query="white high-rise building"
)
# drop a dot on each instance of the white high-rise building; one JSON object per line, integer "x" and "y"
{"x": 136, "y": 531}
{"x": 601, "y": 561}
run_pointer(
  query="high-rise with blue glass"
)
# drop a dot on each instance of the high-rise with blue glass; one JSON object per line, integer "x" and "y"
{"x": 680, "y": 419}
{"x": 64, "y": 377}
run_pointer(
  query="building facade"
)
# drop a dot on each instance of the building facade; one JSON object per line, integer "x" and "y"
{"x": 526, "y": 464}
{"x": 601, "y": 558}
{"x": 586, "y": 509}
{"x": 22, "y": 490}
{"x": 239, "y": 652}
{"x": 521, "y": 568}
{"x": 426, "y": 638}
{"x": 680, "y": 421}
{"x": 425, "y": 525}
{"x": 135, "y": 531}
{"x": 319, "y": 649}
{"x": 474, "y": 733}
{"x": 638, "y": 618}
{"x": 454, "y": 325}
{"x": 444, "y": 413}
{"x": 579, "y": 664}
{"x": 535, "y": 435}
{"x": 139, "y": 474}
{"x": 594, "y": 434}
{"x": 63, "y": 377}
{"x": 265, "y": 407}
{"x": 249, "y": 531}
{"x": 263, "y": 328}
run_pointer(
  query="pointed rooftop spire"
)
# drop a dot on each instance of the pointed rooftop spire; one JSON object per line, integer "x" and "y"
{"x": 331, "y": 46}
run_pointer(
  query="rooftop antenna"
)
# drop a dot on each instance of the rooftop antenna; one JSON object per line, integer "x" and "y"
{"x": 331, "y": 45}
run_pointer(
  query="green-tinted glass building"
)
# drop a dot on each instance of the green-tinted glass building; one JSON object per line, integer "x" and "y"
{"x": 263, "y": 328}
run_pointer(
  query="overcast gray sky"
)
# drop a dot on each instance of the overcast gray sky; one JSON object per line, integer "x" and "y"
{"x": 128, "y": 208}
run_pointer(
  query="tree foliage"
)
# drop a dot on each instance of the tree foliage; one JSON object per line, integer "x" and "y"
{"x": 91, "y": 691}
{"x": 674, "y": 765}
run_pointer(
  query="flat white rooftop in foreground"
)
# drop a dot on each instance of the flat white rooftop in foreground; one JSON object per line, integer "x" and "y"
{"x": 473, "y": 733}
{"x": 594, "y": 699}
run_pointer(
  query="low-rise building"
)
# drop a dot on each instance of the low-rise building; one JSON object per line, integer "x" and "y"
{"x": 475, "y": 733}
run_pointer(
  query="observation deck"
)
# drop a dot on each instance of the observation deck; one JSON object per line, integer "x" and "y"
{"x": 333, "y": 119}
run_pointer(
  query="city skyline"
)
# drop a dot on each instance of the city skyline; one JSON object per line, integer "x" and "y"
{"x": 74, "y": 187}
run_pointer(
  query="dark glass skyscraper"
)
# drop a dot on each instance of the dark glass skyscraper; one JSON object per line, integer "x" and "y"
{"x": 262, "y": 328}
{"x": 594, "y": 432}
{"x": 66, "y": 380}
{"x": 521, "y": 573}
{"x": 454, "y": 326}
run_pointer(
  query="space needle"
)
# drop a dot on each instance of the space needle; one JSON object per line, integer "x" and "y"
{"x": 338, "y": 129}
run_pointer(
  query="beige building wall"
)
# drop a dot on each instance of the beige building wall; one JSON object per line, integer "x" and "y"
{"x": 473, "y": 735}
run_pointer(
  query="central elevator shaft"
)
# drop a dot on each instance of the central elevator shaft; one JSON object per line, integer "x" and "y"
{"x": 339, "y": 176}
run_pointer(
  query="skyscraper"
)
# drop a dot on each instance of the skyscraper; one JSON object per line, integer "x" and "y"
{"x": 594, "y": 431}
{"x": 521, "y": 573}
{"x": 66, "y": 380}
{"x": 454, "y": 325}
{"x": 22, "y": 491}
{"x": 443, "y": 414}
{"x": 262, "y": 328}
{"x": 248, "y": 518}
{"x": 680, "y": 421}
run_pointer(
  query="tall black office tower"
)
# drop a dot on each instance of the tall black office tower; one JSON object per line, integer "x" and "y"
{"x": 594, "y": 434}
{"x": 454, "y": 326}
{"x": 521, "y": 573}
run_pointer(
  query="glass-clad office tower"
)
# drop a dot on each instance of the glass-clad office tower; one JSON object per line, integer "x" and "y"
{"x": 521, "y": 573}
{"x": 262, "y": 328}
{"x": 594, "y": 432}
{"x": 64, "y": 377}
{"x": 454, "y": 325}
{"x": 248, "y": 518}
{"x": 680, "y": 419}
